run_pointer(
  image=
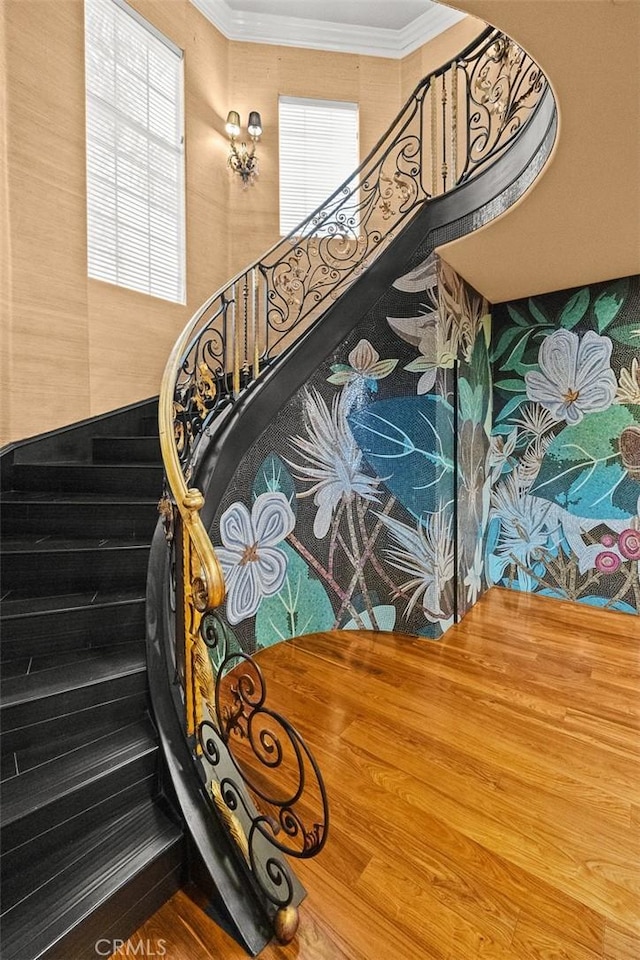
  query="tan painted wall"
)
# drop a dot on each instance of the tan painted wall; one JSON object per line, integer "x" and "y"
{"x": 258, "y": 75}
{"x": 47, "y": 329}
{"x": 77, "y": 347}
{"x": 5, "y": 260}
{"x": 580, "y": 221}
{"x": 438, "y": 52}
{"x": 74, "y": 347}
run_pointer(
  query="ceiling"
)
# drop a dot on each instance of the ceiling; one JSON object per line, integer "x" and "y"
{"x": 384, "y": 28}
{"x": 365, "y": 13}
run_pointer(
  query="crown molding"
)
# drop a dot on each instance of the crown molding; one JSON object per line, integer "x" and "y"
{"x": 323, "y": 35}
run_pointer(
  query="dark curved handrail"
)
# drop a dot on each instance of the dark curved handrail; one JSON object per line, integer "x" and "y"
{"x": 458, "y": 121}
{"x": 423, "y": 179}
{"x": 453, "y": 215}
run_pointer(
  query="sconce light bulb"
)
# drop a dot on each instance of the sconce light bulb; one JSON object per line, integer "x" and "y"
{"x": 232, "y": 125}
{"x": 254, "y": 126}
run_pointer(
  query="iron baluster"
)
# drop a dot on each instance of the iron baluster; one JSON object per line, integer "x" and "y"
{"x": 454, "y": 124}
{"x": 282, "y": 294}
{"x": 254, "y": 323}
{"x": 434, "y": 144}
{"x": 444, "y": 133}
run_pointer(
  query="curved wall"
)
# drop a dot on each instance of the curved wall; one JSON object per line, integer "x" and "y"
{"x": 581, "y": 223}
{"x": 343, "y": 513}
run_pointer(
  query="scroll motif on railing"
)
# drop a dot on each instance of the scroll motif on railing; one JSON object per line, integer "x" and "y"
{"x": 458, "y": 120}
{"x": 243, "y": 743}
{"x": 503, "y": 86}
{"x": 335, "y": 246}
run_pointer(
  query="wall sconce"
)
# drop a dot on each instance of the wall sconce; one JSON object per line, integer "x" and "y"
{"x": 242, "y": 160}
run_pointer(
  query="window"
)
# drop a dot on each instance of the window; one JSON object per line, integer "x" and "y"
{"x": 135, "y": 152}
{"x": 318, "y": 151}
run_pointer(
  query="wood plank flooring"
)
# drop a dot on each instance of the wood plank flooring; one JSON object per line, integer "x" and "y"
{"x": 485, "y": 791}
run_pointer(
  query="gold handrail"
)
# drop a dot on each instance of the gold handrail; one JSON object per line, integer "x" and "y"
{"x": 188, "y": 500}
{"x": 229, "y": 343}
{"x": 201, "y": 575}
{"x": 500, "y": 87}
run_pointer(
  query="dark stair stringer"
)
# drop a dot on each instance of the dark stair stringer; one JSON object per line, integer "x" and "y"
{"x": 90, "y": 844}
{"x": 236, "y": 424}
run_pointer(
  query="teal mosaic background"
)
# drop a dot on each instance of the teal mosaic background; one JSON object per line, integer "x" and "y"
{"x": 441, "y": 450}
{"x": 565, "y": 445}
{"x": 342, "y": 514}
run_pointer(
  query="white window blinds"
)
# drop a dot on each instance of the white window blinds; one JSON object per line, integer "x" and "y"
{"x": 318, "y": 151}
{"x": 135, "y": 152}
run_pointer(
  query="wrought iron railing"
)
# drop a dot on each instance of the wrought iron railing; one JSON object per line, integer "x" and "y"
{"x": 458, "y": 121}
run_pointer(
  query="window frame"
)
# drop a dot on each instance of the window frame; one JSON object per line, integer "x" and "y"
{"x": 289, "y": 221}
{"x": 170, "y": 283}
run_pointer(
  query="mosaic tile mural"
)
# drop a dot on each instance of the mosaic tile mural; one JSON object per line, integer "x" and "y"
{"x": 425, "y": 461}
{"x": 474, "y": 407}
{"x": 342, "y": 513}
{"x": 565, "y": 446}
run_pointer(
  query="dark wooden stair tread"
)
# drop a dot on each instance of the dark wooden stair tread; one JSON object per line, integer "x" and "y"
{"x": 49, "y": 544}
{"x": 45, "y": 751}
{"x": 62, "y": 496}
{"x": 76, "y": 514}
{"x": 43, "y": 662}
{"x": 46, "y": 901}
{"x": 104, "y": 665}
{"x": 45, "y": 565}
{"x": 42, "y": 627}
{"x": 59, "y": 603}
{"x": 80, "y": 464}
{"x": 60, "y": 776}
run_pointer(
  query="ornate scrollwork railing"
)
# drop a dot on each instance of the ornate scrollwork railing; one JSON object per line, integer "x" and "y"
{"x": 241, "y": 742}
{"x": 458, "y": 121}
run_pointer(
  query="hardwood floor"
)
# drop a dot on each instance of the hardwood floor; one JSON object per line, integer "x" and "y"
{"x": 485, "y": 791}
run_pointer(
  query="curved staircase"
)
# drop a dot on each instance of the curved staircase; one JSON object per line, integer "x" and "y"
{"x": 466, "y": 146}
{"x": 92, "y": 838}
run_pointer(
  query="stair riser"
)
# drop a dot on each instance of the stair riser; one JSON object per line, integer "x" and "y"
{"x": 114, "y": 870}
{"x": 25, "y": 724}
{"x": 73, "y": 826}
{"x": 145, "y": 481}
{"x": 80, "y": 629}
{"x": 148, "y": 426}
{"x": 126, "y": 450}
{"x": 53, "y": 815}
{"x": 79, "y": 519}
{"x": 70, "y": 571}
{"x": 131, "y": 906}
